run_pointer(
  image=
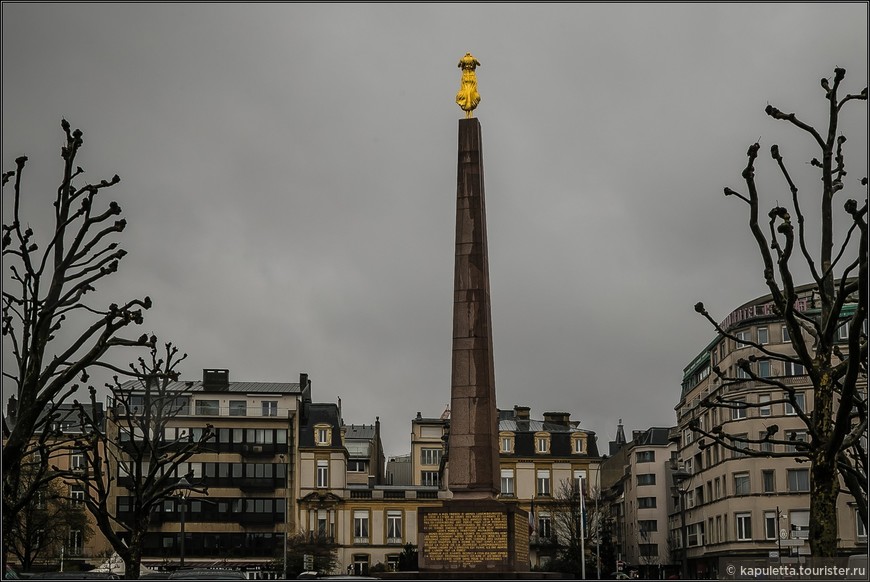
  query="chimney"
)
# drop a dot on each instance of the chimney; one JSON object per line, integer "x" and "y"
{"x": 215, "y": 379}
{"x": 560, "y": 418}
{"x": 521, "y": 412}
{"x": 635, "y": 435}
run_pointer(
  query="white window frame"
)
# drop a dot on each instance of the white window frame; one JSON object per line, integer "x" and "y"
{"x": 507, "y": 482}
{"x": 763, "y": 331}
{"x": 743, "y": 526}
{"x": 762, "y": 409}
{"x": 800, "y": 399}
{"x": 794, "y": 484}
{"x": 738, "y": 412}
{"x": 430, "y": 456}
{"x": 322, "y": 474}
{"x": 361, "y": 521}
{"x": 542, "y": 487}
{"x": 744, "y": 335}
{"x": 764, "y": 369}
{"x": 394, "y": 526}
{"x": 542, "y": 444}
{"x": 770, "y": 532}
{"x": 507, "y": 444}
{"x": 269, "y": 407}
{"x": 786, "y": 338}
{"x": 545, "y": 525}
{"x": 429, "y": 479}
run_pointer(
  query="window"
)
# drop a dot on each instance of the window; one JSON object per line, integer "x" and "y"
{"x": 75, "y": 542}
{"x": 270, "y": 407}
{"x": 507, "y": 444}
{"x": 646, "y": 502}
{"x": 764, "y": 368}
{"x": 771, "y": 531}
{"x": 507, "y": 481}
{"x": 717, "y": 489}
{"x": 207, "y": 407}
{"x": 741, "y": 484}
{"x": 579, "y": 445}
{"x": 322, "y": 474}
{"x": 743, "y": 525}
{"x": 543, "y": 482}
{"x": 765, "y": 446}
{"x": 739, "y": 410}
{"x": 238, "y": 408}
{"x": 740, "y": 445}
{"x": 647, "y": 525}
{"x": 77, "y": 460}
{"x": 764, "y": 405}
{"x": 796, "y": 436}
{"x": 798, "y": 480}
{"x": 430, "y": 456}
{"x": 322, "y": 523}
{"x": 393, "y": 562}
{"x": 696, "y": 534}
{"x": 645, "y": 456}
{"x": 799, "y": 400}
{"x": 322, "y": 435}
{"x": 793, "y": 369}
{"x": 646, "y": 479}
{"x": 648, "y": 551}
{"x": 542, "y": 443}
{"x": 545, "y": 525}
{"x": 741, "y": 373}
{"x": 763, "y": 336}
{"x": 429, "y": 478}
{"x": 743, "y": 337}
{"x": 843, "y": 331}
{"x": 76, "y": 494}
{"x": 786, "y": 338}
{"x": 800, "y": 524}
{"x": 861, "y": 528}
{"x": 768, "y": 481}
{"x": 687, "y": 436}
{"x": 360, "y": 526}
{"x": 357, "y": 466}
{"x": 394, "y": 527}
{"x": 360, "y": 565}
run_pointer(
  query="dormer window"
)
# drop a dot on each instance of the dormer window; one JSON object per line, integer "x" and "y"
{"x": 578, "y": 445}
{"x": 542, "y": 442}
{"x": 506, "y": 442}
{"x": 322, "y": 435}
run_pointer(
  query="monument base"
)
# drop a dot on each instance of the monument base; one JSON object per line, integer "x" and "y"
{"x": 480, "y": 536}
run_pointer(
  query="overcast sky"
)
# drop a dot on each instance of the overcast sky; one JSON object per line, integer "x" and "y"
{"x": 289, "y": 179}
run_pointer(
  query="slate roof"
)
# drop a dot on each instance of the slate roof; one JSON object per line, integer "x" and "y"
{"x": 653, "y": 436}
{"x": 319, "y": 413}
{"x": 238, "y": 387}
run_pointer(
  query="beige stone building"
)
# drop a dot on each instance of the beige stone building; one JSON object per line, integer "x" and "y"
{"x": 738, "y": 505}
{"x": 637, "y": 482}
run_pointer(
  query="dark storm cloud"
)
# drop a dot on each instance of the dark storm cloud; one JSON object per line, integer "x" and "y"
{"x": 289, "y": 179}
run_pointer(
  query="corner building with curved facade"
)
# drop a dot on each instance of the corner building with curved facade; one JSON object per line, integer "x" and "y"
{"x": 739, "y": 505}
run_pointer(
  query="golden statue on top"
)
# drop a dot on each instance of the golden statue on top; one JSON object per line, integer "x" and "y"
{"x": 468, "y": 97}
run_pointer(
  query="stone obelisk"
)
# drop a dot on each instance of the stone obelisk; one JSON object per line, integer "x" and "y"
{"x": 473, "y": 444}
{"x": 472, "y": 533}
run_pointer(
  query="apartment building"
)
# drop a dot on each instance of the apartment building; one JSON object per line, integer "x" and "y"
{"x": 79, "y": 546}
{"x": 540, "y": 462}
{"x": 246, "y": 484}
{"x": 738, "y": 505}
{"x": 637, "y": 485}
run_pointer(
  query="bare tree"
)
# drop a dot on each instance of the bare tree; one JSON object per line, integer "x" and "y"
{"x": 837, "y": 426}
{"x": 43, "y": 526}
{"x": 135, "y": 457}
{"x": 44, "y": 289}
{"x": 568, "y": 507}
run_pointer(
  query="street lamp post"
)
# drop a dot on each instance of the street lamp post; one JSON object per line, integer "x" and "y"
{"x": 680, "y": 477}
{"x": 184, "y": 486}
